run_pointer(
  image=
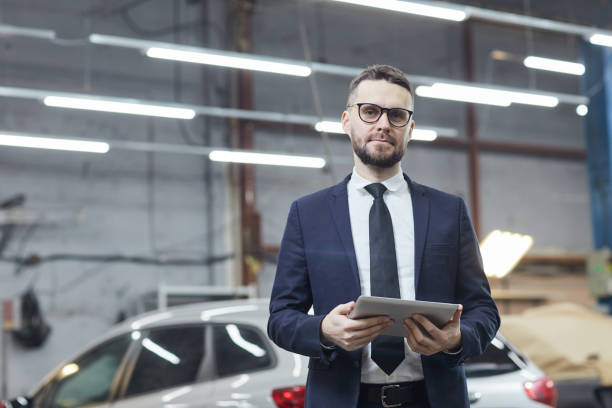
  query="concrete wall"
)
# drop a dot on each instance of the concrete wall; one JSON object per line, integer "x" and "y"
{"x": 179, "y": 206}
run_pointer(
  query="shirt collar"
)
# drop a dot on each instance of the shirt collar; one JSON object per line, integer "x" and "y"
{"x": 393, "y": 183}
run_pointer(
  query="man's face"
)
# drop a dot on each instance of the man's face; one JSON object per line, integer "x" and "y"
{"x": 378, "y": 144}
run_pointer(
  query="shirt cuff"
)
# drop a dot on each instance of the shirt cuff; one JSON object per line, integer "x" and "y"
{"x": 453, "y": 352}
{"x": 328, "y": 347}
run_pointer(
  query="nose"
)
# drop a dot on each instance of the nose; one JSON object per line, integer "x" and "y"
{"x": 383, "y": 121}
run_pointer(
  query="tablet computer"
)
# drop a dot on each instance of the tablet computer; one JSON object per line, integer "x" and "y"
{"x": 399, "y": 309}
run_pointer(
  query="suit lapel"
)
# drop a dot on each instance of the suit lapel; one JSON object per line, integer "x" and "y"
{"x": 420, "y": 211}
{"x": 338, "y": 202}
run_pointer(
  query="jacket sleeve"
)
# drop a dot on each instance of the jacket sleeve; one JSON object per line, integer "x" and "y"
{"x": 289, "y": 325}
{"x": 480, "y": 319}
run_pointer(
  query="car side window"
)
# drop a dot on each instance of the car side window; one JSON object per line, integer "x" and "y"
{"x": 239, "y": 349}
{"x": 88, "y": 379}
{"x": 497, "y": 359}
{"x": 168, "y": 357}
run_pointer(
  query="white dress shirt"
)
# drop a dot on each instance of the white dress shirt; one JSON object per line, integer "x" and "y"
{"x": 398, "y": 201}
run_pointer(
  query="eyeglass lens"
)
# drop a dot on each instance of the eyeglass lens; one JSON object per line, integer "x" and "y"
{"x": 371, "y": 113}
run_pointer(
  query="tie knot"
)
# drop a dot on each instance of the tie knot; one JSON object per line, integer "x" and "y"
{"x": 376, "y": 189}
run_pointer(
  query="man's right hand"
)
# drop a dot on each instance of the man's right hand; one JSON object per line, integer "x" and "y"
{"x": 351, "y": 334}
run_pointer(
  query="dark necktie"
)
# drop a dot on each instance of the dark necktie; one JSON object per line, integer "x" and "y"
{"x": 387, "y": 351}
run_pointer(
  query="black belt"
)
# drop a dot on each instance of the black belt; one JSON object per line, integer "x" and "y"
{"x": 393, "y": 395}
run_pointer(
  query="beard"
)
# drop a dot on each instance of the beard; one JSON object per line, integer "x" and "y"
{"x": 382, "y": 160}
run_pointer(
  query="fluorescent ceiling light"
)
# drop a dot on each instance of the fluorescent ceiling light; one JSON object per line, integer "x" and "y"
{"x": 554, "y": 65}
{"x": 502, "y": 250}
{"x": 424, "y": 135}
{"x": 528, "y": 98}
{"x": 582, "y": 110}
{"x": 328, "y": 126}
{"x": 601, "y": 39}
{"x": 488, "y": 96}
{"x": 445, "y": 13}
{"x": 246, "y": 62}
{"x": 98, "y": 104}
{"x": 74, "y": 145}
{"x": 463, "y": 94}
{"x": 266, "y": 158}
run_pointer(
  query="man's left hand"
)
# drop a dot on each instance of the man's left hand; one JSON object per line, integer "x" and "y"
{"x": 447, "y": 338}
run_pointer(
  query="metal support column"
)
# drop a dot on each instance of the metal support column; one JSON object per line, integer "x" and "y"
{"x": 597, "y": 85}
{"x": 472, "y": 131}
{"x": 250, "y": 219}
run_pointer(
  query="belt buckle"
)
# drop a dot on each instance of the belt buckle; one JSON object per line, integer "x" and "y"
{"x": 383, "y": 396}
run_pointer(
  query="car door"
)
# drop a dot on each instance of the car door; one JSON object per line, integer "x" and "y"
{"x": 89, "y": 381}
{"x": 244, "y": 366}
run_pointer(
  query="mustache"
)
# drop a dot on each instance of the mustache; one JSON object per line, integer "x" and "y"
{"x": 381, "y": 136}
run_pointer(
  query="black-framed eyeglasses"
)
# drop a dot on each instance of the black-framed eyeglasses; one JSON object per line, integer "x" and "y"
{"x": 370, "y": 113}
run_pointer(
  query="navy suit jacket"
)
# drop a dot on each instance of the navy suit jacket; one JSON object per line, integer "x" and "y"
{"x": 317, "y": 267}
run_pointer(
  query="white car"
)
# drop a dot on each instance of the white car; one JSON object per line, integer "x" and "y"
{"x": 217, "y": 354}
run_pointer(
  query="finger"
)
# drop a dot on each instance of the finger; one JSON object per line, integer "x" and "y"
{"x": 456, "y": 319}
{"x": 457, "y": 315}
{"x": 359, "y": 345}
{"x": 371, "y": 332}
{"x": 419, "y": 337}
{"x": 369, "y": 322}
{"x": 344, "y": 308}
{"x": 356, "y": 336}
{"x": 363, "y": 337}
{"x": 411, "y": 340}
{"x": 365, "y": 341}
{"x": 413, "y": 328}
{"x": 410, "y": 327}
{"x": 415, "y": 345}
{"x": 429, "y": 327}
{"x": 356, "y": 343}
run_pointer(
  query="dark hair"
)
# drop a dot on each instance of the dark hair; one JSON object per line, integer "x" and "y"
{"x": 384, "y": 72}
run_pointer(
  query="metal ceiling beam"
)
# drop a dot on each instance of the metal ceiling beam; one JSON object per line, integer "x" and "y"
{"x": 429, "y": 80}
{"x": 532, "y": 22}
{"x": 39, "y": 94}
{"x": 517, "y": 19}
{"x": 330, "y": 69}
{"x": 243, "y": 114}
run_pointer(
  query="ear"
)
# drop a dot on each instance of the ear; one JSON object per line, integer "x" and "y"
{"x": 410, "y": 129}
{"x": 345, "y": 119}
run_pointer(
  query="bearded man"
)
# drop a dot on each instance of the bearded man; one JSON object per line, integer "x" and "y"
{"x": 379, "y": 233}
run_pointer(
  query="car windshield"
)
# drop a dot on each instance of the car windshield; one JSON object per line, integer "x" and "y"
{"x": 498, "y": 358}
